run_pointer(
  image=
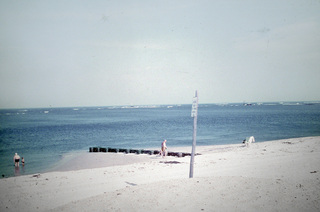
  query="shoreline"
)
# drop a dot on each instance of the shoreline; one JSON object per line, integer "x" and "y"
{"x": 89, "y": 160}
{"x": 272, "y": 175}
{"x": 79, "y": 159}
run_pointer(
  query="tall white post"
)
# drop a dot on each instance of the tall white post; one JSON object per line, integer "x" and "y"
{"x": 194, "y": 114}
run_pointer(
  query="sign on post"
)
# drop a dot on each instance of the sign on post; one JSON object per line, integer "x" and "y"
{"x": 194, "y": 114}
{"x": 194, "y": 111}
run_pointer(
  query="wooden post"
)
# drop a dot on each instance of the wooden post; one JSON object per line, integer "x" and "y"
{"x": 194, "y": 114}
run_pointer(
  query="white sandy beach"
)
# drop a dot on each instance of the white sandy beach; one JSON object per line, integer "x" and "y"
{"x": 281, "y": 175}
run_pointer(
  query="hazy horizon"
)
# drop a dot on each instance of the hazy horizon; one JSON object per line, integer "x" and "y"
{"x": 158, "y": 105}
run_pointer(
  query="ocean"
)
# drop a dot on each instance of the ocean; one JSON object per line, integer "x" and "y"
{"x": 43, "y": 136}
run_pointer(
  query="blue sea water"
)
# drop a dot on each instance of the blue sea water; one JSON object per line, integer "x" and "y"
{"x": 43, "y": 136}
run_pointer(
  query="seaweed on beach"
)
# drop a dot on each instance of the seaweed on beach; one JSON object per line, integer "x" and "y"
{"x": 170, "y": 162}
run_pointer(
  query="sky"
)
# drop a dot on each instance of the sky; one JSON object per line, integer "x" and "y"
{"x": 125, "y": 52}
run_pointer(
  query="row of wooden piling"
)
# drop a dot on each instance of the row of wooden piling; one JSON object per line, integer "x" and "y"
{"x": 136, "y": 151}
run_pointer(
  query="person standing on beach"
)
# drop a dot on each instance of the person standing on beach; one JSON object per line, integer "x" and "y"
{"x": 16, "y": 159}
{"x": 163, "y": 151}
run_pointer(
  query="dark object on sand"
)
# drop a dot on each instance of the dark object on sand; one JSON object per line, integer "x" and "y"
{"x": 170, "y": 162}
{"x": 138, "y": 151}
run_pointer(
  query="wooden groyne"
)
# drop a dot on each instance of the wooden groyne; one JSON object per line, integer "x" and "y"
{"x": 136, "y": 151}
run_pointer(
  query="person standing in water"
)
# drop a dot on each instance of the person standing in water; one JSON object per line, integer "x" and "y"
{"x": 22, "y": 161}
{"x": 16, "y": 159}
{"x": 163, "y": 151}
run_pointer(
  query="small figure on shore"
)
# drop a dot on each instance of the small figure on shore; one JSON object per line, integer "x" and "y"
{"x": 163, "y": 151}
{"x": 22, "y": 161}
{"x": 16, "y": 159}
{"x": 248, "y": 141}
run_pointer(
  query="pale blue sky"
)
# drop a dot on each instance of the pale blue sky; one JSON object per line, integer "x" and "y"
{"x": 100, "y": 53}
